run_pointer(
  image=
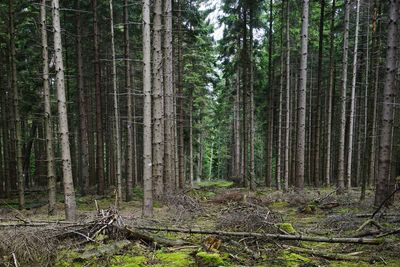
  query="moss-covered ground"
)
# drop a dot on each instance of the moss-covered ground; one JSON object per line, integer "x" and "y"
{"x": 217, "y": 205}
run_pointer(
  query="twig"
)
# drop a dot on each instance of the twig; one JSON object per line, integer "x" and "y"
{"x": 270, "y": 236}
{"x": 15, "y": 259}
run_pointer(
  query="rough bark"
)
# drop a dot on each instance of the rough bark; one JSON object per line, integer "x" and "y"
{"x": 158, "y": 102}
{"x": 147, "y": 153}
{"x": 330, "y": 98}
{"x": 342, "y": 122}
{"x": 83, "y": 118}
{"x": 117, "y": 134}
{"x": 287, "y": 103}
{"x": 389, "y": 93}
{"x": 17, "y": 117}
{"x": 301, "y": 108}
{"x": 69, "y": 193}
{"x": 353, "y": 101}
{"x": 99, "y": 119}
{"x": 128, "y": 85}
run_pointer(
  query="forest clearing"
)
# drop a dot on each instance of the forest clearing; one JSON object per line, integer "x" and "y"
{"x": 199, "y": 133}
{"x": 238, "y": 228}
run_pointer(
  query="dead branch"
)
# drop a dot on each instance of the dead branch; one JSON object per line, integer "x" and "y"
{"x": 368, "y": 241}
{"x": 326, "y": 255}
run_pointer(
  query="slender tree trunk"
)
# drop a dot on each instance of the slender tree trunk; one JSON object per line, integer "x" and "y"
{"x": 128, "y": 85}
{"x": 342, "y": 128}
{"x": 117, "y": 134}
{"x": 252, "y": 107}
{"x": 389, "y": 93}
{"x": 301, "y": 109}
{"x": 83, "y": 118}
{"x": 158, "y": 100}
{"x": 279, "y": 136}
{"x": 99, "y": 121}
{"x": 69, "y": 193}
{"x": 287, "y": 103}
{"x": 353, "y": 101}
{"x": 17, "y": 117}
{"x": 181, "y": 158}
{"x": 51, "y": 172}
{"x": 169, "y": 154}
{"x": 147, "y": 165}
{"x": 317, "y": 157}
{"x": 191, "y": 159}
{"x": 330, "y": 97}
{"x": 237, "y": 123}
{"x": 270, "y": 130}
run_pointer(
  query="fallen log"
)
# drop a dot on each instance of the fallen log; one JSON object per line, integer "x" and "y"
{"x": 327, "y": 255}
{"x": 369, "y": 241}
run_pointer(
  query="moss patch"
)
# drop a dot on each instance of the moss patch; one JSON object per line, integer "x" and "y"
{"x": 209, "y": 259}
{"x": 293, "y": 259}
{"x": 128, "y": 261}
{"x": 279, "y": 204}
{"x": 287, "y": 227}
{"x": 215, "y": 184}
{"x": 175, "y": 259}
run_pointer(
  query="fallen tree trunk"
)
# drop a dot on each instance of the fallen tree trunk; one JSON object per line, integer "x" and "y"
{"x": 368, "y": 241}
{"x": 327, "y": 255}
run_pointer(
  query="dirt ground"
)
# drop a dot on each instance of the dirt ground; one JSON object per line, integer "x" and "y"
{"x": 100, "y": 237}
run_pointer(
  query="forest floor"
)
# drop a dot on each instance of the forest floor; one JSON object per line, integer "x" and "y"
{"x": 104, "y": 236}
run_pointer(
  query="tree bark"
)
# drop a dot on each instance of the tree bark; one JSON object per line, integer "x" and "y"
{"x": 99, "y": 119}
{"x": 17, "y": 117}
{"x": 301, "y": 109}
{"x": 287, "y": 103}
{"x": 158, "y": 101}
{"x": 69, "y": 193}
{"x": 147, "y": 153}
{"x": 342, "y": 126}
{"x": 389, "y": 93}
{"x": 353, "y": 101}
{"x": 83, "y": 118}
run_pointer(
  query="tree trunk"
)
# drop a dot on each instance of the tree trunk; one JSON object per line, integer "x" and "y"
{"x": 330, "y": 97}
{"x": 17, "y": 117}
{"x": 147, "y": 166}
{"x": 99, "y": 120}
{"x": 117, "y": 135}
{"x": 158, "y": 101}
{"x": 169, "y": 154}
{"x": 317, "y": 157}
{"x": 301, "y": 109}
{"x": 191, "y": 158}
{"x": 270, "y": 130}
{"x": 128, "y": 85}
{"x": 342, "y": 127}
{"x": 353, "y": 101}
{"x": 252, "y": 107}
{"x": 69, "y": 193}
{"x": 83, "y": 118}
{"x": 287, "y": 104}
{"x": 389, "y": 93}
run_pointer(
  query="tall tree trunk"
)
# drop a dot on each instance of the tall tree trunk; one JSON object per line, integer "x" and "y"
{"x": 301, "y": 109}
{"x": 69, "y": 193}
{"x": 353, "y": 100}
{"x": 158, "y": 101}
{"x": 328, "y": 153}
{"x": 280, "y": 105}
{"x": 191, "y": 158}
{"x": 252, "y": 107}
{"x": 181, "y": 144}
{"x": 17, "y": 117}
{"x": 270, "y": 130}
{"x": 117, "y": 134}
{"x": 169, "y": 156}
{"x": 342, "y": 128}
{"x": 147, "y": 153}
{"x": 83, "y": 118}
{"x": 317, "y": 157}
{"x": 385, "y": 137}
{"x": 99, "y": 120}
{"x": 130, "y": 124}
{"x": 51, "y": 171}
{"x": 287, "y": 103}
{"x": 237, "y": 169}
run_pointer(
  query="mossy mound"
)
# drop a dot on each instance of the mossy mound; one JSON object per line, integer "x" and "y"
{"x": 175, "y": 259}
{"x": 287, "y": 227}
{"x": 210, "y": 259}
{"x": 215, "y": 184}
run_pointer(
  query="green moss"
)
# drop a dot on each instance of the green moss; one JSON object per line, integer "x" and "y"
{"x": 175, "y": 259}
{"x": 293, "y": 259}
{"x": 210, "y": 259}
{"x": 66, "y": 258}
{"x": 287, "y": 227}
{"x": 128, "y": 261}
{"x": 215, "y": 183}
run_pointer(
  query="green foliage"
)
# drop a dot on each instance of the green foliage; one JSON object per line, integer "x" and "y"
{"x": 215, "y": 184}
{"x": 210, "y": 259}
